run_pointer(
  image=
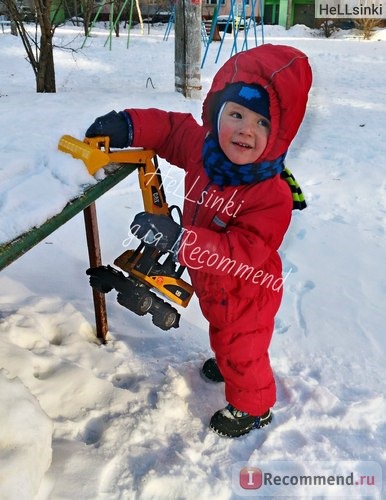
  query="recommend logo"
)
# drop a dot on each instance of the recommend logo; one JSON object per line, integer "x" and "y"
{"x": 350, "y": 9}
{"x": 326, "y": 479}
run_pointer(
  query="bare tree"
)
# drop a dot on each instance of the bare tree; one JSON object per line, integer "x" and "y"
{"x": 80, "y": 12}
{"x": 367, "y": 26}
{"x": 39, "y": 52}
{"x": 88, "y": 9}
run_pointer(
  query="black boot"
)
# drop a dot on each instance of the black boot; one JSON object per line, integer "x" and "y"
{"x": 231, "y": 422}
{"x": 210, "y": 371}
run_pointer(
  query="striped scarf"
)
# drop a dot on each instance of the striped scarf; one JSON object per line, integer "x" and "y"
{"x": 299, "y": 202}
{"x": 225, "y": 173}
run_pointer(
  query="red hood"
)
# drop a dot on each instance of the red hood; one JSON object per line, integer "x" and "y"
{"x": 286, "y": 75}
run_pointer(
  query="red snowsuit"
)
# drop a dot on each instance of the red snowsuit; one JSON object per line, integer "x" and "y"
{"x": 233, "y": 233}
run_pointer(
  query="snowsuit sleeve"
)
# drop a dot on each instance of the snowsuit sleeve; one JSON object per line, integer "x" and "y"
{"x": 167, "y": 133}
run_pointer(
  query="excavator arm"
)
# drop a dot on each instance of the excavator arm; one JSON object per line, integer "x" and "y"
{"x": 147, "y": 268}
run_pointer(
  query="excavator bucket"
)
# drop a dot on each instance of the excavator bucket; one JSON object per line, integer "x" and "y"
{"x": 92, "y": 157}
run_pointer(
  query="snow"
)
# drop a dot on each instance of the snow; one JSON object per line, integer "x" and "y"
{"x": 129, "y": 419}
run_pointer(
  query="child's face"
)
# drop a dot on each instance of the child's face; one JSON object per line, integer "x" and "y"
{"x": 243, "y": 134}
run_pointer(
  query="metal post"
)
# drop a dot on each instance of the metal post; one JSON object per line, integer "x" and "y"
{"x": 213, "y": 30}
{"x": 288, "y": 22}
{"x": 94, "y": 253}
{"x": 188, "y": 47}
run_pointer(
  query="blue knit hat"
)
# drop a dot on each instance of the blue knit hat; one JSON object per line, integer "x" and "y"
{"x": 253, "y": 97}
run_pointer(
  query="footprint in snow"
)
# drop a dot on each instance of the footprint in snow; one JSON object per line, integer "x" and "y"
{"x": 93, "y": 431}
{"x": 305, "y": 288}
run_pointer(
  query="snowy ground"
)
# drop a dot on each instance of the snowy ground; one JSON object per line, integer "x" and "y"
{"x": 129, "y": 419}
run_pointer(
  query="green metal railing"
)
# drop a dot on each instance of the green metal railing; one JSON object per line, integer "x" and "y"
{"x": 11, "y": 251}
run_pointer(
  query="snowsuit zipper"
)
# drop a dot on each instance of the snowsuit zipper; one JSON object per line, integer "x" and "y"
{"x": 205, "y": 190}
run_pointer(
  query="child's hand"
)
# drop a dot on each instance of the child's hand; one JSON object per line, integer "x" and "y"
{"x": 158, "y": 231}
{"x": 115, "y": 125}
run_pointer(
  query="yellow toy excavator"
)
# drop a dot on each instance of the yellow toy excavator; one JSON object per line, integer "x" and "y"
{"x": 146, "y": 268}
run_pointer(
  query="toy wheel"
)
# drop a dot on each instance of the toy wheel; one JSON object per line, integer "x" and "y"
{"x": 138, "y": 305}
{"x": 144, "y": 304}
{"x": 166, "y": 319}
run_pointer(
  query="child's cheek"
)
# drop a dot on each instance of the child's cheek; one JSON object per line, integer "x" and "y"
{"x": 224, "y": 135}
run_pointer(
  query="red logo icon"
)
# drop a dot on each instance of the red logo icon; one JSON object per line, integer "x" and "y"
{"x": 251, "y": 478}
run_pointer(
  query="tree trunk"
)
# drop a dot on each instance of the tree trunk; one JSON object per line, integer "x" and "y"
{"x": 14, "y": 29}
{"x": 41, "y": 57}
{"x": 45, "y": 79}
{"x": 188, "y": 48}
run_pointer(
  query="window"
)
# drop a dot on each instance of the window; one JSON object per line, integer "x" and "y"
{"x": 214, "y": 2}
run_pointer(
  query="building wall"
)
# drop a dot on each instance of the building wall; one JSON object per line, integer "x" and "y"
{"x": 275, "y": 11}
{"x": 208, "y": 7}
